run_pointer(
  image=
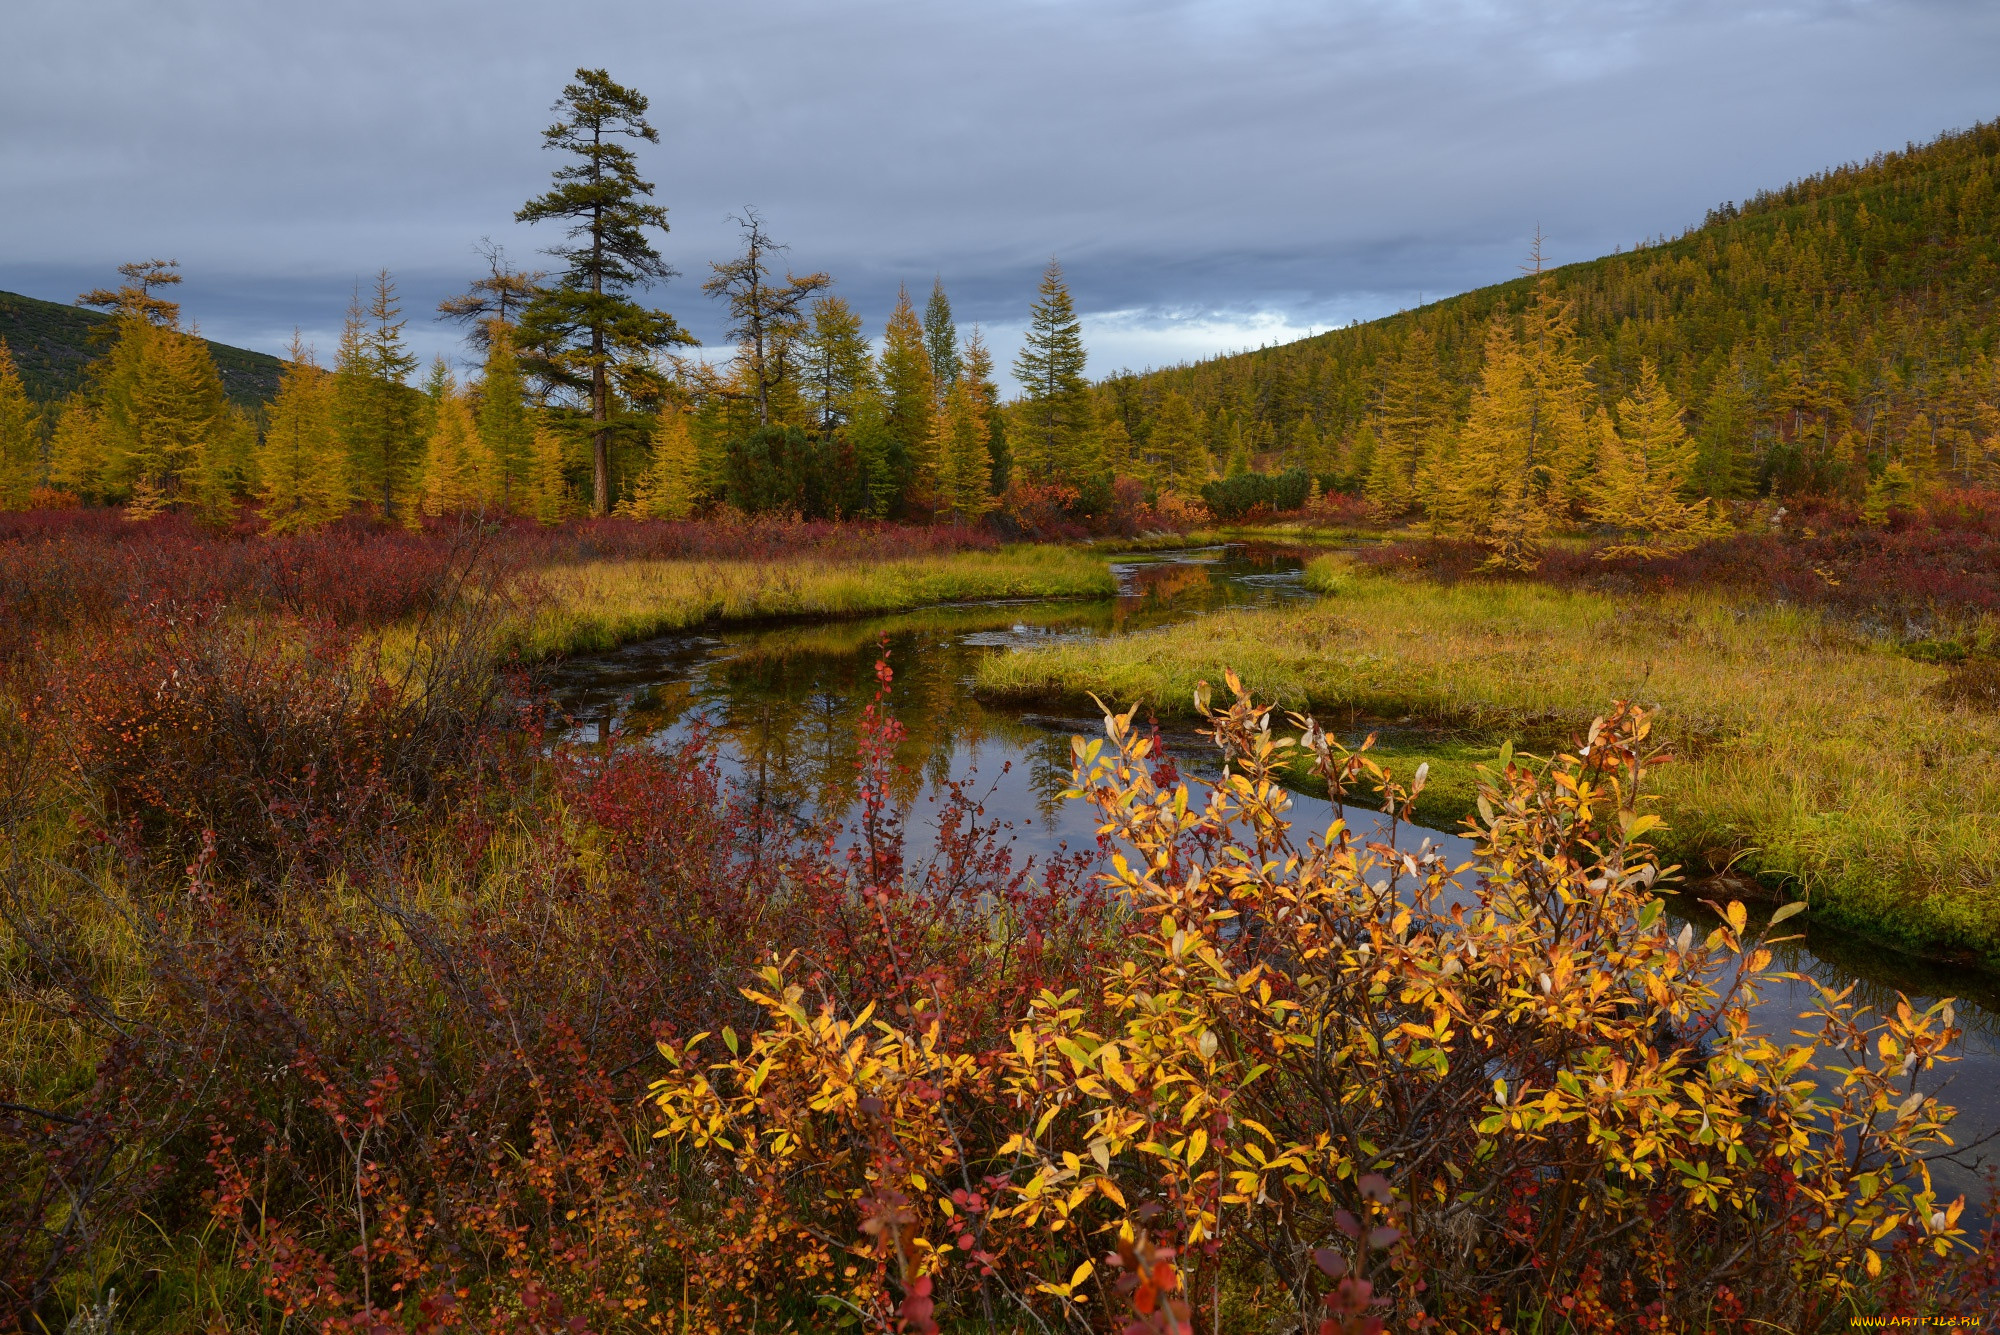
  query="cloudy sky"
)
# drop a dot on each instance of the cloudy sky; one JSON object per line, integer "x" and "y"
{"x": 1213, "y": 174}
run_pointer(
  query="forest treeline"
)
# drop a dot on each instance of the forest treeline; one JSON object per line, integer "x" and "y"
{"x": 1832, "y": 338}
{"x": 1813, "y": 336}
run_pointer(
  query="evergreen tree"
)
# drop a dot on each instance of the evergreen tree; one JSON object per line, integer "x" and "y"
{"x": 941, "y": 341}
{"x": 1055, "y": 441}
{"x": 375, "y": 412}
{"x": 666, "y": 490}
{"x": 20, "y": 438}
{"x": 585, "y": 331}
{"x": 767, "y": 319}
{"x": 976, "y": 369}
{"x": 911, "y": 403}
{"x": 505, "y": 430}
{"x": 301, "y": 469}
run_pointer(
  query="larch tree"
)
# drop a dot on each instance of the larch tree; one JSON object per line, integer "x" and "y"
{"x": 941, "y": 341}
{"x": 506, "y": 430}
{"x": 910, "y": 400}
{"x": 965, "y": 460}
{"x": 976, "y": 369}
{"x": 376, "y": 412}
{"x": 585, "y": 332}
{"x": 1412, "y": 402}
{"x": 1643, "y": 479}
{"x": 495, "y": 302}
{"x": 835, "y": 363}
{"x": 767, "y": 318}
{"x": 457, "y": 472}
{"x": 20, "y": 438}
{"x": 79, "y": 460}
{"x": 667, "y": 489}
{"x": 301, "y": 469}
{"x": 1497, "y": 491}
{"x": 1055, "y": 441}
{"x": 1178, "y": 446}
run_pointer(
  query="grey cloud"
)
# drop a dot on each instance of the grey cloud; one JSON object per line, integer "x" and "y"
{"x": 1296, "y": 162}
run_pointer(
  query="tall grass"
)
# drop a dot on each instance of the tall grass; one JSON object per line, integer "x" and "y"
{"x": 1808, "y": 753}
{"x": 599, "y": 604}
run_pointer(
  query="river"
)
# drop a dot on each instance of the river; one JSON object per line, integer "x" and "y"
{"x": 783, "y": 703}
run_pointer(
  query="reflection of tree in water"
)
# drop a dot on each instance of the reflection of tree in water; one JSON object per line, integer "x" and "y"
{"x": 1049, "y": 771}
{"x": 790, "y": 706}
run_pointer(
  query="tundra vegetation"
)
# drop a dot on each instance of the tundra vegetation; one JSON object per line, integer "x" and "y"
{"x": 344, "y": 991}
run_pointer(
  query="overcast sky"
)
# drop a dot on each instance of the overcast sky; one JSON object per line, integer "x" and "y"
{"x": 1213, "y": 175}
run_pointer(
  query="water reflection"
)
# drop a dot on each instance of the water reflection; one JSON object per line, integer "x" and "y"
{"x": 785, "y": 702}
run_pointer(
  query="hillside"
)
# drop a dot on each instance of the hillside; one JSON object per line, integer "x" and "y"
{"x": 1818, "y": 321}
{"x": 53, "y": 345}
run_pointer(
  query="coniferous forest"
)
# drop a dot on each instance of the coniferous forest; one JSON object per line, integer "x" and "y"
{"x": 1486, "y": 819}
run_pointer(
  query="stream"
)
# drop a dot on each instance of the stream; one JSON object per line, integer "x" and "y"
{"x": 783, "y": 703}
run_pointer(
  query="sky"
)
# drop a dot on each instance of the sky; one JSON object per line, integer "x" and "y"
{"x": 1213, "y": 175}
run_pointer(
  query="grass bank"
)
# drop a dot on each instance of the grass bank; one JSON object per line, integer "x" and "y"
{"x": 1823, "y": 763}
{"x": 600, "y": 604}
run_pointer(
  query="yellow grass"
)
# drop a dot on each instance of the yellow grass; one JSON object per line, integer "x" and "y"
{"x": 605, "y": 603}
{"x": 1820, "y": 757}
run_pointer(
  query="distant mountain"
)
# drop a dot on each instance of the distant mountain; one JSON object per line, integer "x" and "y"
{"x": 54, "y": 345}
{"x": 1840, "y": 312}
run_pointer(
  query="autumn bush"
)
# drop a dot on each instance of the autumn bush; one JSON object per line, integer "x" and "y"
{"x": 1928, "y": 578}
{"x": 1340, "y": 1087}
{"x": 409, "y": 1088}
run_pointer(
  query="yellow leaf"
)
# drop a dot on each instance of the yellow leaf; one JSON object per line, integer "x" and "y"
{"x": 1083, "y": 1272}
{"x": 1197, "y": 1146}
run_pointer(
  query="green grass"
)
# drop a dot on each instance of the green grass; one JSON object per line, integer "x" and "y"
{"x": 606, "y": 603}
{"x": 1820, "y": 760}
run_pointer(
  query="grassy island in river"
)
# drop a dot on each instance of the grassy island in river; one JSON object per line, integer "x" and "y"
{"x": 1806, "y": 751}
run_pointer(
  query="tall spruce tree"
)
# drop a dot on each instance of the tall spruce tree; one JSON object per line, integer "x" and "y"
{"x": 836, "y": 363}
{"x": 941, "y": 341}
{"x": 585, "y": 331}
{"x": 1055, "y": 436}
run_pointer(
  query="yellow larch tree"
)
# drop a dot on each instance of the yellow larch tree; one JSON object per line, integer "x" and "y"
{"x": 20, "y": 438}
{"x": 666, "y": 490}
{"x": 457, "y": 471}
{"x": 77, "y": 454}
{"x": 548, "y": 499}
{"x": 301, "y": 468}
{"x": 1642, "y": 479}
{"x": 1412, "y": 403}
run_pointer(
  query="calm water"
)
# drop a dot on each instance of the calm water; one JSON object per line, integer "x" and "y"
{"x": 783, "y": 702}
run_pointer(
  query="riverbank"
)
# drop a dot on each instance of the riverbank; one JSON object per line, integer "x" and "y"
{"x": 601, "y": 604}
{"x": 1807, "y": 754}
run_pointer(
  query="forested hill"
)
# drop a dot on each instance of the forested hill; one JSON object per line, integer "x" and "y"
{"x": 1852, "y": 307}
{"x": 54, "y": 345}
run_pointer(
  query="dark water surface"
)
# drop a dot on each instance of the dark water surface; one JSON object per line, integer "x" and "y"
{"x": 784, "y": 703}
